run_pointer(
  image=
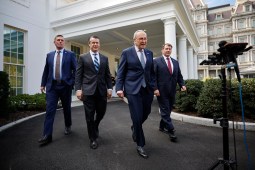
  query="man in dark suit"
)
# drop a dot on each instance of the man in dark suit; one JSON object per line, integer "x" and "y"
{"x": 58, "y": 79}
{"x": 93, "y": 85}
{"x": 168, "y": 74}
{"x": 135, "y": 80}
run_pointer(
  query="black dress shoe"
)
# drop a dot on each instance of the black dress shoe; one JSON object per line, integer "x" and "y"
{"x": 141, "y": 152}
{"x": 93, "y": 144}
{"x": 45, "y": 140}
{"x": 68, "y": 130}
{"x": 164, "y": 130}
{"x": 133, "y": 134}
{"x": 172, "y": 135}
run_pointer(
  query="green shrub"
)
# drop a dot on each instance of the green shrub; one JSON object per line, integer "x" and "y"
{"x": 29, "y": 102}
{"x": 209, "y": 103}
{"x": 186, "y": 101}
{"x": 248, "y": 97}
{"x": 4, "y": 94}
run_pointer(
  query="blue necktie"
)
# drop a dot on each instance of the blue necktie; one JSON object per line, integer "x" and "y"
{"x": 143, "y": 65}
{"x": 96, "y": 63}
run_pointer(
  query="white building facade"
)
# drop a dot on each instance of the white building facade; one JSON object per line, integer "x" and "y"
{"x": 29, "y": 27}
{"x": 234, "y": 24}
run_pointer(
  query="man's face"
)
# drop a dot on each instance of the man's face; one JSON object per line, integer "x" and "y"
{"x": 140, "y": 40}
{"x": 59, "y": 42}
{"x": 167, "y": 50}
{"x": 94, "y": 44}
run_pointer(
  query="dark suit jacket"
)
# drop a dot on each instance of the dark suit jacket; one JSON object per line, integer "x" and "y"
{"x": 130, "y": 71}
{"x": 68, "y": 69}
{"x": 88, "y": 79}
{"x": 166, "y": 83}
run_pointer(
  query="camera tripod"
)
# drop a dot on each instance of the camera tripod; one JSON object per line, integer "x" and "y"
{"x": 227, "y": 163}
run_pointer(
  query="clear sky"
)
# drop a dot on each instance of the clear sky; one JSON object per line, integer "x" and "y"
{"x": 213, "y": 3}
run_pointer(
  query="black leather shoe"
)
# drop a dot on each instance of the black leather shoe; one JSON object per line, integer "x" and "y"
{"x": 172, "y": 135}
{"x": 45, "y": 140}
{"x": 93, "y": 144}
{"x": 141, "y": 152}
{"x": 68, "y": 130}
{"x": 164, "y": 130}
{"x": 133, "y": 134}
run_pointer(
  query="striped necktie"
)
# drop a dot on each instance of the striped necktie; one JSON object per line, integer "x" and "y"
{"x": 96, "y": 63}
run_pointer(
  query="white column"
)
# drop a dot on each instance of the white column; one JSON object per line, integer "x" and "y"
{"x": 182, "y": 56}
{"x": 195, "y": 66}
{"x": 190, "y": 63}
{"x": 170, "y": 33}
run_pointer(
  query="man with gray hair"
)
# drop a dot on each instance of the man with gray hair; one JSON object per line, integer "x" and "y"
{"x": 135, "y": 80}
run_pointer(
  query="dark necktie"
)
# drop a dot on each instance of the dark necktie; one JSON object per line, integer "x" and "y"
{"x": 96, "y": 63}
{"x": 57, "y": 66}
{"x": 169, "y": 65}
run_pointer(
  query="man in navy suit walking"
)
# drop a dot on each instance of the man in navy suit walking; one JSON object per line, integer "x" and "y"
{"x": 168, "y": 74}
{"x": 135, "y": 80}
{"x": 58, "y": 79}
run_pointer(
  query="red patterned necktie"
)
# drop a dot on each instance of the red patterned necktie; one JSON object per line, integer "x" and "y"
{"x": 169, "y": 65}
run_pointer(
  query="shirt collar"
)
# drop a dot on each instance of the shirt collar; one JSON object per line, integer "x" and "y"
{"x": 91, "y": 53}
{"x": 137, "y": 50}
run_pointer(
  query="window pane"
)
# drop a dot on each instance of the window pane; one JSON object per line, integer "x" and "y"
{"x": 20, "y": 48}
{"x": 13, "y": 71}
{"x": 13, "y": 91}
{"x": 20, "y": 58}
{"x": 19, "y": 91}
{"x": 7, "y": 56}
{"x": 19, "y": 71}
{"x": 7, "y": 33}
{"x": 13, "y": 81}
{"x": 14, "y": 58}
{"x": 14, "y": 35}
{"x": 6, "y": 68}
{"x": 20, "y": 37}
{"x": 19, "y": 81}
{"x": 7, "y": 45}
{"x": 14, "y": 47}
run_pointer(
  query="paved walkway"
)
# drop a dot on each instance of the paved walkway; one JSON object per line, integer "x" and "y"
{"x": 197, "y": 148}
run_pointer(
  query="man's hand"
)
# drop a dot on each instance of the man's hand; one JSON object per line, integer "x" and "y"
{"x": 183, "y": 88}
{"x": 79, "y": 94}
{"x": 156, "y": 93}
{"x": 42, "y": 89}
{"x": 120, "y": 94}
{"x": 109, "y": 93}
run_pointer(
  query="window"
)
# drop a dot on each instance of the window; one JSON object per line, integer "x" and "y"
{"x": 227, "y": 29}
{"x": 211, "y": 46}
{"x": 200, "y": 74}
{"x": 219, "y": 30}
{"x": 198, "y": 17}
{"x": 212, "y": 73}
{"x": 253, "y": 39}
{"x": 14, "y": 58}
{"x": 253, "y": 22}
{"x": 218, "y": 16}
{"x": 243, "y": 58}
{"x": 253, "y": 55}
{"x": 247, "y": 8}
{"x": 76, "y": 50}
{"x": 242, "y": 39}
{"x": 210, "y": 30}
{"x": 200, "y": 58}
{"x": 241, "y": 23}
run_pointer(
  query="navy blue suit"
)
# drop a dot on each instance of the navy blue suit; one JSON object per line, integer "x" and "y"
{"x": 129, "y": 79}
{"x": 166, "y": 84}
{"x": 56, "y": 90}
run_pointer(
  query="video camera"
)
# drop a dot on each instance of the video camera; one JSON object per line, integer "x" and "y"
{"x": 228, "y": 53}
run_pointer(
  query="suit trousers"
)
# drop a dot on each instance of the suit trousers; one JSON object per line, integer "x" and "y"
{"x": 166, "y": 105}
{"x": 140, "y": 108}
{"x": 58, "y": 91}
{"x": 95, "y": 108}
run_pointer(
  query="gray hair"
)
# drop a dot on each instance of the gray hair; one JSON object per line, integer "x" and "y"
{"x": 138, "y": 32}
